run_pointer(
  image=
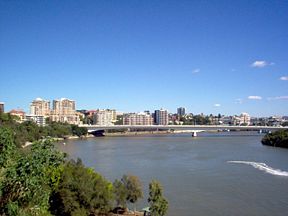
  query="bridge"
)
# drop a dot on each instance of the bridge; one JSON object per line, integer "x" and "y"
{"x": 193, "y": 128}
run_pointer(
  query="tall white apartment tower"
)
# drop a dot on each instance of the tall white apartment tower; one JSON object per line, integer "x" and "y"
{"x": 64, "y": 106}
{"x": 64, "y": 111}
{"x": 40, "y": 107}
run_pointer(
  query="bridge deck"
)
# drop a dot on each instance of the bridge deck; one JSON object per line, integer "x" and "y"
{"x": 182, "y": 127}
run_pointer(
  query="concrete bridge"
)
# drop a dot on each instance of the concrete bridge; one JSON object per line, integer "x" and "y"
{"x": 192, "y": 128}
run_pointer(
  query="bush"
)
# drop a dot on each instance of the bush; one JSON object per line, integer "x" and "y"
{"x": 158, "y": 204}
{"x": 28, "y": 181}
{"x": 81, "y": 192}
{"x": 277, "y": 139}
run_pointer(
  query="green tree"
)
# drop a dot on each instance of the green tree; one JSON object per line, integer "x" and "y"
{"x": 120, "y": 193}
{"x": 88, "y": 120}
{"x": 7, "y": 147}
{"x": 278, "y": 139}
{"x": 28, "y": 183}
{"x": 81, "y": 191}
{"x": 32, "y": 129}
{"x": 78, "y": 131}
{"x": 7, "y": 119}
{"x": 158, "y": 204}
{"x": 60, "y": 129}
{"x": 133, "y": 187}
{"x": 8, "y": 156}
{"x": 119, "y": 120}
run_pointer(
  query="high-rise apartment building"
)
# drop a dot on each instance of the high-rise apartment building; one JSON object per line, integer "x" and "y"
{"x": 64, "y": 111}
{"x": 40, "y": 107}
{"x": 181, "y": 111}
{"x": 64, "y": 106}
{"x": 113, "y": 113}
{"x": 161, "y": 117}
{"x": 1, "y": 107}
{"x": 137, "y": 119}
{"x": 103, "y": 117}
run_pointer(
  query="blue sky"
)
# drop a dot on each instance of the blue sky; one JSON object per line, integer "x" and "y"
{"x": 211, "y": 56}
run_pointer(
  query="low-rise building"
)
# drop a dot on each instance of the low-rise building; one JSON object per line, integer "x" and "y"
{"x": 90, "y": 113}
{"x": 245, "y": 119}
{"x": 274, "y": 121}
{"x": 19, "y": 113}
{"x": 226, "y": 120}
{"x": 173, "y": 118}
{"x": 137, "y": 119}
{"x": 38, "y": 119}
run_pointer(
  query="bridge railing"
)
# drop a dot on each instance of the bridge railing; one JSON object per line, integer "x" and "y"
{"x": 184, "y": 127}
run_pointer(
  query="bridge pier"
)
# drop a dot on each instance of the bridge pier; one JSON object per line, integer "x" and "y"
{"x": 194, "y": 134}
{"x": 97, "y": 133}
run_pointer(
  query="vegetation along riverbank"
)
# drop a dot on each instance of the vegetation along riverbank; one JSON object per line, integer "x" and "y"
{"x": 276, "y": 139}
{"x": 28, "y": 131}
{"x": 42, "y": 181}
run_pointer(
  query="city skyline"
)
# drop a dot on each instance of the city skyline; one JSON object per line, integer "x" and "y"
{"x": 209, "y": 57}
{"x": 64, "y": 110}
{"x": 42, "y": 107}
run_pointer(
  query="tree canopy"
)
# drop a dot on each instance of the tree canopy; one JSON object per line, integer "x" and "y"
{"x": 158, "y": 204}
{"x": 29, "y": 179}
{"x": 120, "y": 193}
{"x": 81, "y": 190}
{"x": 29, "y": 131}
{"x": 133, "y": 187}
{"x": 278, "y": 139}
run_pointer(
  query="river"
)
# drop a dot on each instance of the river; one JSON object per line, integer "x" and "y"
{"x": 229, "y": 173}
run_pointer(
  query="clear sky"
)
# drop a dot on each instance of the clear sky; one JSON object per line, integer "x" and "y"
{"x": 211, "y": 56}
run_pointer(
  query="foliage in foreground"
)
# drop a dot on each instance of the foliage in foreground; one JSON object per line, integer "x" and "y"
{"x": 278, "y": 139}
{"x": 39, "y": 181}
{"x": 29, "y": 178}
{"x": 81, "y": 190}
{"x": 128, "y": 189}
{"x": 158, "y": 204}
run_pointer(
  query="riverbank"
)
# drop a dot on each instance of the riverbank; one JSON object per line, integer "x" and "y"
{"x": 135, "y": 133}
{"x": 57, "y": 139}
{"x": 139, "y": 133}
{"x": 276, "y": 139}
{"x": 120, "y": 134}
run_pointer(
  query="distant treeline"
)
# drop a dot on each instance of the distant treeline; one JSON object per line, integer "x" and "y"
{"x": 30, "y": 131}
{"x": 278, "y": 139}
